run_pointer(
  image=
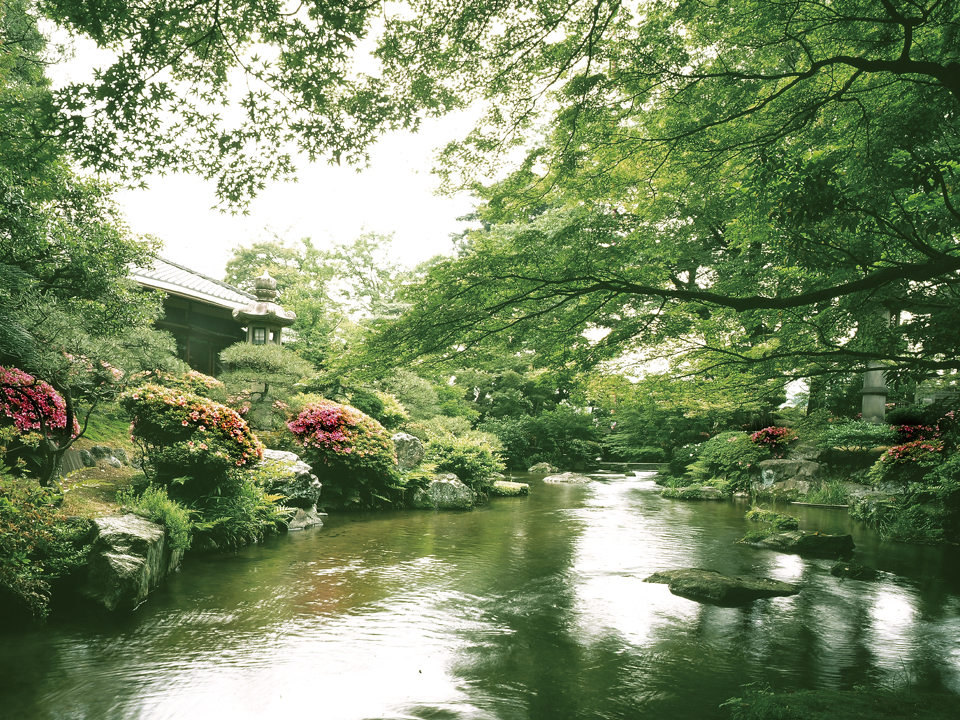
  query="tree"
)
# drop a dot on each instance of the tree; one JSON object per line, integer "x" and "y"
{"x": 738, "y": 186}
{"x": 69, "y": 317}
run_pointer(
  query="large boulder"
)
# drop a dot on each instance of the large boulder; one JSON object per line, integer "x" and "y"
{"x": 291, "y": 477}
{"x": 409, "y": 450}
{"x": 801, "y": 542}
{"x": 445, "y": 492}
{"x": 715, "y": 588}
{"x": 129, "y": 559}
{"x": 789, "y": 474}
{"x": 569, "y": 478}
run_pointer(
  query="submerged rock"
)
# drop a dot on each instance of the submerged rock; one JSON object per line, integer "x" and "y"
{"x": 505, "y": 488}
{"x": 130, "y": 558}
{"x": 301, "y": 519}
{"x": 853, "y": 570}
{"x": 567, "y": 477}
{"x": 716, "y": 588}
{"x": 445, "y": 492}
{"x": 800, "y": 542}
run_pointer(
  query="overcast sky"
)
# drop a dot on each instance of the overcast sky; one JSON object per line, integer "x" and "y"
{"x": 329, "y": 204}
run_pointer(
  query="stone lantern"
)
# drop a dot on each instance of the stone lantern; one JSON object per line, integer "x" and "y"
{"x": 264, "y": 319}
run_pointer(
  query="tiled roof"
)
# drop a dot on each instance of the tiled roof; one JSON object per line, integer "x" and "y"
{"x": 178, "y": 280}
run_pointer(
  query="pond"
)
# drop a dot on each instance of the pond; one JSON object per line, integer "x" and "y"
{"x": 526, "y": 608}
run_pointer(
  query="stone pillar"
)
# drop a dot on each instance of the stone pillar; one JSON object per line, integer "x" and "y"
{"x": 874, "y": 404}
{"x": 874, "y": 393}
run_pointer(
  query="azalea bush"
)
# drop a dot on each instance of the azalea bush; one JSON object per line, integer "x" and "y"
{"x": 188, "y": 438}
{"x": 351, "y": 453}
{"x": 908, "y": 462}
{"x": 774, "y": 439}
{"x": 34, "y": 415}
{"x": 190, "y": 381}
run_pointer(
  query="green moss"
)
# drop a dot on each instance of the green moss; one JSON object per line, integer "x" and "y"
{"x": 779, "y": 521}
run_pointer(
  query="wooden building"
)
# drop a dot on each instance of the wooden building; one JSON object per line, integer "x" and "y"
{"x": 197, "y": 311}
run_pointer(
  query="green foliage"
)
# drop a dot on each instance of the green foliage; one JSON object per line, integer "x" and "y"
{"x": 188, "y": 441}
{"x": 37, "y": 545}
{"x": 154, "y": 503}
{"x": 774, "y": 439}
{"x": 186, "y": 380}
{"x": 927, "y": 511}
{"x": 473, "y": 460}
{"x": 244, "y": 516}
{"x": 562, "y": 436}
{"x": 730, "y": 456}
{"x": 833, "y": 492}
{"x": 259, "y": 381}
{"x": 856, "y": 435}
{"x": 779, "y": 521}
{"x": 352, "y": 455}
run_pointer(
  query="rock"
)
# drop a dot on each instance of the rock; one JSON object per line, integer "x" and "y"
{"x": 505, "y": 488}
{"x": 302, "y": 519}
{"x": 114, "y": 462}
{"x": 409, "y": 450}
{"x": 692, "y": 492}
{"x": 792, "y": 473}
{"x": 800, "y": 542}
{"x": 121, "y": 455}
{"x": 855, "y": 571}
{"x": 567, "y": 477}
{"x": 291, "y": 477}
{"x": 99, "y": 452}
{"x": 446, "y": 492}
{"x": 130, "y": 558}
{"x": 715, "y": 588}
{"x": 542, "y": 467}
{"x": 87, "y": 459}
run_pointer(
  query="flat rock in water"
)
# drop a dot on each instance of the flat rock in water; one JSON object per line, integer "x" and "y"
{"x": 505, "y": 488}
{"x": 709, "y": 586}
{"x": 567, "y": 477}
{"x": 800, "y": 542}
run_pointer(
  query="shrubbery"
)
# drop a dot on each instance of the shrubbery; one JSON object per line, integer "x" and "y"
{"x": 856, "y": 435}
{"x": 471, "y": 459}
{"x": 775, "y": 439}
{"x": 182, "y": 435}
{"x": 351, "y": 453}
{"x": 731, "y": 457}
{"x": 37, "y": 546}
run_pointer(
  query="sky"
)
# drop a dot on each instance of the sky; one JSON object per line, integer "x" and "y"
{"x": 329, "y": 204}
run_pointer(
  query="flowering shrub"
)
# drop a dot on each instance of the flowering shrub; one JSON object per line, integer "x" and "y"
{"x": 184, "y": 435}
{"x": 191, "y": 381}
{"x": 351, "y": 453}
{"x": 774, "y": 438}
{"x": 32, "y": 405}
{"x": 908, "y": 462}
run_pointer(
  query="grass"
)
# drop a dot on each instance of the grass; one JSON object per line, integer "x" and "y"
{"x": 833, "y": 492}
{"x": 760, "y": 703}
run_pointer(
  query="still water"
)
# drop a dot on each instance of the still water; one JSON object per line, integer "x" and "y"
{"x": 528, "y": 608}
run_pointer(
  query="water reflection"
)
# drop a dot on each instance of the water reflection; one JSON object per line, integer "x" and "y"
{"x": 528, "y": 608}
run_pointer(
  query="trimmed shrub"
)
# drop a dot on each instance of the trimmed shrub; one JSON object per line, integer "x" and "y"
{"x": 352, "y": 455}
{"x": 472, "y": 460}
{"x": 189, "y": 438}
{"x": 190, "y": 381}
{"x": 907, "y": 463}
{"x": 856, "y": 435}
